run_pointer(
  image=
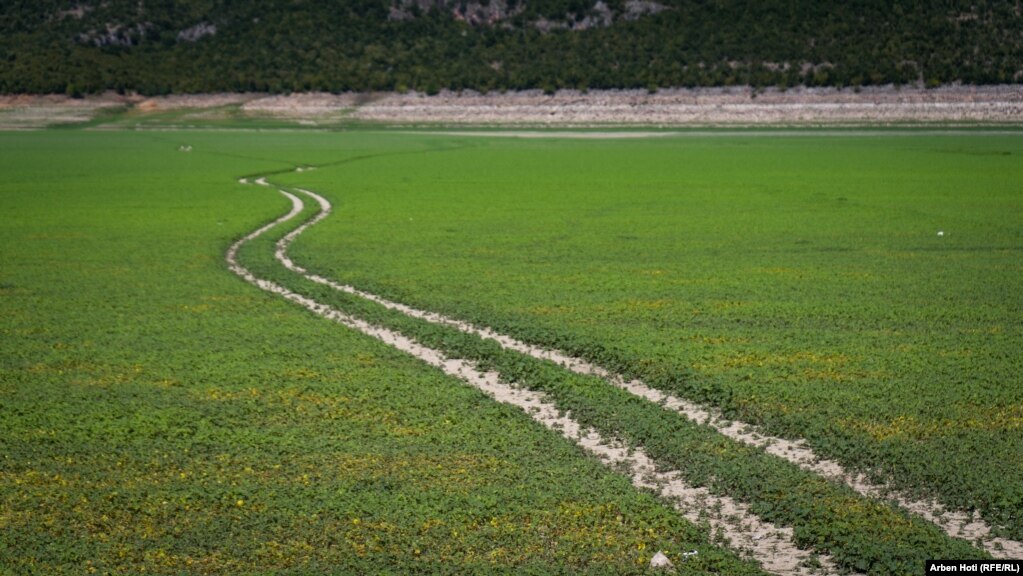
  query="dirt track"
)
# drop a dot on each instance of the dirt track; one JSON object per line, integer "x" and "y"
{"x": 956, "y": 524}
{"x": 771, "y": 545}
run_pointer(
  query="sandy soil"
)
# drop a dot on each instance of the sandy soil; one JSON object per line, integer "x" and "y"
{"x": 192, "y": 101}
{"x": 309, "y": 105}
{"x": 30, "y": 112}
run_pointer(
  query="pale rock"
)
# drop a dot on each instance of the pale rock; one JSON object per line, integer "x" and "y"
{"x": 660, "y": 561}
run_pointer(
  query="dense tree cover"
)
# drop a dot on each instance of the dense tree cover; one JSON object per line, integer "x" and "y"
{"x": 82, "y": 46}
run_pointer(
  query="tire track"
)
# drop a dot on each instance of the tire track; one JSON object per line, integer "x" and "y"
{"x": 957, "y": 524}
{"x": 763, "y": 541}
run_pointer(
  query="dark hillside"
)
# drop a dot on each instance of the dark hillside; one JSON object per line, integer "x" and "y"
{"x": 163, "y": 46}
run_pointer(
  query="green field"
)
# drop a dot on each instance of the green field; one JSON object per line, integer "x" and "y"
{"x": 158, "y": 413}
{"x": 799, "y": 283}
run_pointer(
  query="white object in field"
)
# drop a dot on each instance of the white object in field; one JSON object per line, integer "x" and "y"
{"x": 688, "y": 554}
{"x": 941, "y": 232}
{"x": 660, "y": 561}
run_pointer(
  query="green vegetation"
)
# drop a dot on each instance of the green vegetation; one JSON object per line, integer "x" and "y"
{"x": 83, "y": 46}
{"x": 796, "y": 282}
{"x": 857, "y": 533}
{"x": 161, "y": 416}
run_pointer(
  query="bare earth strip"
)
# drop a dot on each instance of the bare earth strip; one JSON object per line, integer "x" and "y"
{"x": 735, "y": 106}
{"x": 770, "y": 545}
{"x": 955, "y": 523}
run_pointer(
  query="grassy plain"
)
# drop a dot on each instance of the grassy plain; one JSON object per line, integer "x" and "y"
{"x": 159, "y": 415}
{"x": 798, "y": 282}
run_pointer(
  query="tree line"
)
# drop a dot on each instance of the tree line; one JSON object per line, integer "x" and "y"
{"x": 59, "y": 46}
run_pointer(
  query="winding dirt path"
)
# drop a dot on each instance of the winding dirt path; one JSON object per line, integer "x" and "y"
{"x": 765, "y": 542}
{"x": 956, "y": 524}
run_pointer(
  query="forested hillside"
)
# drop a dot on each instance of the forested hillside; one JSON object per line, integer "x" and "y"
{"x": 164, "y": 46}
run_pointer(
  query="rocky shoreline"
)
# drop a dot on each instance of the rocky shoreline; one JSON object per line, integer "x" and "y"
{"x": 700, "y": 107}
{"x": 707, "y": 107}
